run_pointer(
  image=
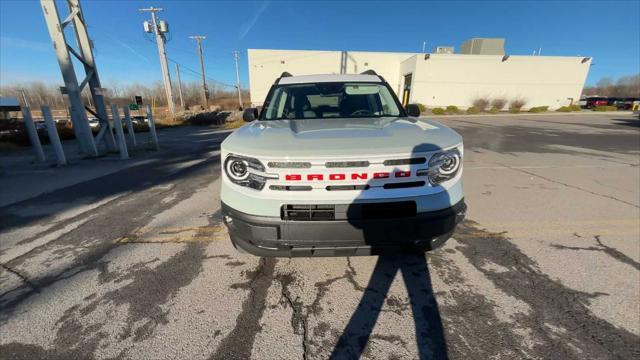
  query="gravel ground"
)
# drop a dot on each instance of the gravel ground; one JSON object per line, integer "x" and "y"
{"x": 133, "y": 262}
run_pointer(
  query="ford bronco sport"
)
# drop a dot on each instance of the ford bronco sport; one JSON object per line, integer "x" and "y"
{"x": 334, "y": 166}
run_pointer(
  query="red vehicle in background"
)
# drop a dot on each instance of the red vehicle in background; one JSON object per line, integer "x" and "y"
{"x": 595, "y": 101}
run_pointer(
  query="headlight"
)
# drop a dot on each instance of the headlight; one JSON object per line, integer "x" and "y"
{"x": 244, "y": 171}
{"x": 444, "y": 166}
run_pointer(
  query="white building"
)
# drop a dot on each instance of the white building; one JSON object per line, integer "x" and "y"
{"x": 435, "y": 80}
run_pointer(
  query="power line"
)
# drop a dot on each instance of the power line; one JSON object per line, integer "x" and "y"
{"x": 200, "y": 74}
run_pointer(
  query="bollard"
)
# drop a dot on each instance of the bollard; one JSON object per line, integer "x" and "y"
{"x": 53, "y": 135}
{"x": 33, "y": 134}
{"x": 152, "y": 129}
{"x": 127, "y": 121}
{"x": 122, "y": 145}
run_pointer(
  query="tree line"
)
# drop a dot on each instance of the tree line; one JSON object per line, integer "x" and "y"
{"x": 624, "y": 87}
{"x": 38, "y": 94}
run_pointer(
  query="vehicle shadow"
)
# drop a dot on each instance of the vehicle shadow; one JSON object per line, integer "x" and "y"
{"x": 410, "y": 261}
{"x": 429, "y": 331}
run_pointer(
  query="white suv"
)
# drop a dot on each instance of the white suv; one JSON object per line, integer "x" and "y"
{"x": 334, "y": 166}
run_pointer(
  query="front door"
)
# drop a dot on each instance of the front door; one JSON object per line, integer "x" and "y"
{"x": 406, "y": 91}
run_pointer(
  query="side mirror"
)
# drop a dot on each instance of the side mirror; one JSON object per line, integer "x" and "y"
{"x": 413, "y": 110}
{"x": 249, "y": 114}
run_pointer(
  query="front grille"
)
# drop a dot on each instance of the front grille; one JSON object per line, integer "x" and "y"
{"x": 403, "y": 185}
{"x": 308, "y": 212}
{"x": 347, "y": 187}
{"x": 288, "y": 165}
{"x": 369, "y": 211}
{"x": 411, "y": 161}
{"x": 346, "y": 164}
{"x": 290, "y": 188}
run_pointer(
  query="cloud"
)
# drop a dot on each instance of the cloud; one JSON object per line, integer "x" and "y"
{"x": 246, "y": 27}
{"x": 12, "y": 42}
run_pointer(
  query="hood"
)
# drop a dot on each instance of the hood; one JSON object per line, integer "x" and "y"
{"x": 335, "y": 137}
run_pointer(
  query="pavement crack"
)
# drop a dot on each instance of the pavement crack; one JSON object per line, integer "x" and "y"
{"x": 238, "y": 344}
{"x": 612, "y": 252}
{"x": 299, "y": 319}
{"x": 570, "y": 186}
{"x": 350, "y": 274}
{"x": 22, "y": 277}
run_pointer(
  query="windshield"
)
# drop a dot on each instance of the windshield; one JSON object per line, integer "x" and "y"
{"x": 331, "y": 100}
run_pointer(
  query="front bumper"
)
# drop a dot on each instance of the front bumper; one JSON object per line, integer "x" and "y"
{"x": 274, "y": 237}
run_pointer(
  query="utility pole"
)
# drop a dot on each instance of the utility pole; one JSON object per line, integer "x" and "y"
{"x": 159, "y": 28}
{"x": 179, "y": 85}
{"x": 235, "y": 56}
{"x": 205, "y": 92}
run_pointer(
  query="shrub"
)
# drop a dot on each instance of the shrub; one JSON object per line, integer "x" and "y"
{"x": 473, "y": 110}
{"x": 481, "y": 103}
{"x": 605, "y": 108}
{"x": 438, "y": 111}
{"x": 498, "y": 103}
{"x": 564, "y": 109}
{"x": 575, "y": 107}
{"x": 538, "y": 109}
{"x": 452, "y": 109}
{"x": 516, "y": 105}
{"x": 421, "y": 107}
{"x": 494, "y": 110}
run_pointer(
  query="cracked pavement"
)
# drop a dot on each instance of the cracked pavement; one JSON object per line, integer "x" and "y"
{"x": 134, "y": 263}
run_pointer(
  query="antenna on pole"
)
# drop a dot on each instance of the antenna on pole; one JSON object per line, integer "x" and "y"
{"x": 159, "y": 28}
{"x": 205, "y": 91}
{"x": 236, "y": 55}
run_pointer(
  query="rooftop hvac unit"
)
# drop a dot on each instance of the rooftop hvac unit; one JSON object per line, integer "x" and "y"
{"x": 444, "y": 50}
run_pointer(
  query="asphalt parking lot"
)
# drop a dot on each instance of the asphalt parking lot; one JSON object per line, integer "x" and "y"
{"x": 134, "y": 263}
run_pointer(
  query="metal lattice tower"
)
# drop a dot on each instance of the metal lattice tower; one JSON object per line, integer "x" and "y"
{"x": 72, "y": 88}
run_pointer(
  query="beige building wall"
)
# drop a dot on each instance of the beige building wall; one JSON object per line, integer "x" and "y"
{"x": 265, "y": 66}
{"x": 441, "y": 80}
{"x": 457, "y": 79}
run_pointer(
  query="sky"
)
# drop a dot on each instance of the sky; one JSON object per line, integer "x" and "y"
{"x": 608, "y": 31}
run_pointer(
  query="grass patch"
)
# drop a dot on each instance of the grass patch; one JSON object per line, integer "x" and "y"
{"x": 563, "y": 109}
{"x": 438, "y": 111}
{"x": 538, "y": 109}
{"x": 494, "y": 110}
{"x": 452, "y": 109}
{"x": 575, "y": 107}
{"x": 605, "y": 108}
{"x": 473, "y": 110}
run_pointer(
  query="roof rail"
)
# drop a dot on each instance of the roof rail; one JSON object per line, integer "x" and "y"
{"x": 283, "y": 75}
{"x": 374, "y": 73}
